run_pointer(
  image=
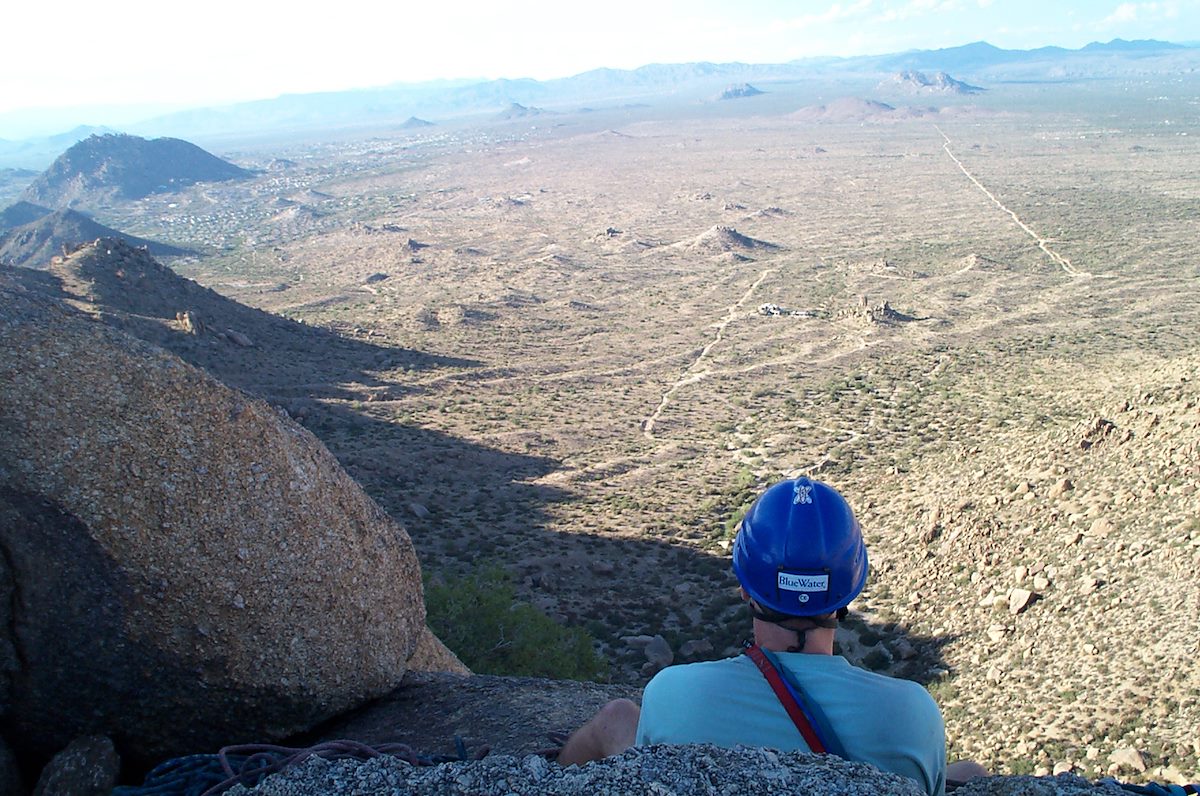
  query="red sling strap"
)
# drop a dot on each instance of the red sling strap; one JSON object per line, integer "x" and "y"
{"x": 794, "y": 711}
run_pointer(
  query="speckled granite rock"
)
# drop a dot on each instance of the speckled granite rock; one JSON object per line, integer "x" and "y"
{"x": 1062, "y": 785}
{"x": 87, "y": 767}
{"x": 508, "y": 715}
{"x": 431, "y": 655}
{"x": 661, "y": 770}
{"x": 193, "y": 568}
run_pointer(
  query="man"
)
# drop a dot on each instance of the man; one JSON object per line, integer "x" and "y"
{"x": 800, "y": 559}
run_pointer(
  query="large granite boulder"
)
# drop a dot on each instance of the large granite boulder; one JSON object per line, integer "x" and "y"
{"x": 181, "y": 566}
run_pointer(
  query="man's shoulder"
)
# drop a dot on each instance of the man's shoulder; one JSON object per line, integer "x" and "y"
{"x": 869, "y": 685}
{"x": 893, "y": 695}
{"x": 692, "y": 674}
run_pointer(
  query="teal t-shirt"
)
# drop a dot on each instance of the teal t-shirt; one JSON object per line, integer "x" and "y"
{"x": 892, "y": 724}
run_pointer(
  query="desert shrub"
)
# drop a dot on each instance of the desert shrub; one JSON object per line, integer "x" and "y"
{"x": 479, "y": 618}
{"x": 741, "y": 494}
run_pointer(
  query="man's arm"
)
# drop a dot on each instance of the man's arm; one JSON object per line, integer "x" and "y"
{"x": 611, "y": 731}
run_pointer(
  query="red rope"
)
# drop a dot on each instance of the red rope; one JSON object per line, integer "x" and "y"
{"x": 795, "y": 713}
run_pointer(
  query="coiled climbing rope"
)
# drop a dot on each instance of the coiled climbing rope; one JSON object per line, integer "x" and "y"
{"x": 248, "y": 764}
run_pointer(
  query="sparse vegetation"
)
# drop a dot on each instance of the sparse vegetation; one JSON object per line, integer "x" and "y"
{"x": 479, "y": 617}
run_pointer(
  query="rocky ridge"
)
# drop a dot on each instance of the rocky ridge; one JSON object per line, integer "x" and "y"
{"x": 35, "y": 243}
{"x": 244, "y": 347}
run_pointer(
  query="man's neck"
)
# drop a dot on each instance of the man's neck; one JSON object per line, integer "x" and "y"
{"x": 817, "y": 641}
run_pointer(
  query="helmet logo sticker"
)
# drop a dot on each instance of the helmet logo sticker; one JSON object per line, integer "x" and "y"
{"x": 802, "y": 494}
{"x": 790, "y": 581}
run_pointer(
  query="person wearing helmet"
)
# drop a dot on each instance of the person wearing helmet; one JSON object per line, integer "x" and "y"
{"x": 800, "y": 560}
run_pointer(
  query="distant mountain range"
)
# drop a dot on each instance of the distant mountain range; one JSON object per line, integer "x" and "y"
{"x": 979, "y": 62}
{"x": 35, "y": 153}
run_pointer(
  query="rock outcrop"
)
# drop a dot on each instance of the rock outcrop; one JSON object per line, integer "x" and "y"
{"x": 182, "y": 566}
{"x": 719, "y": 238}
{"x": 916, "y": 82}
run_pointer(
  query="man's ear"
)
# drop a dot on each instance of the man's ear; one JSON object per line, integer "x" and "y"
{"x": 745, "y": 595}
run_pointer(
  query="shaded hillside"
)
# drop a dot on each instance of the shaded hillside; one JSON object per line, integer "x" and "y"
{"x": 34, "y": 243}
{"x": 103, "y": 167}
{"x": 282, "y": 360}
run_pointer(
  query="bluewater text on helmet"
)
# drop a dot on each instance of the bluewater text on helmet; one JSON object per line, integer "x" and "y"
{"x": 793, "y": 582}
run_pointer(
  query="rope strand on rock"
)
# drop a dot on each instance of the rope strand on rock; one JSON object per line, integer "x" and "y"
{"x": 249, "y": 764}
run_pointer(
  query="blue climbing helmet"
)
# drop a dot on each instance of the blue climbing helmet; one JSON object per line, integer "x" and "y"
{"x": 800, "y": 551}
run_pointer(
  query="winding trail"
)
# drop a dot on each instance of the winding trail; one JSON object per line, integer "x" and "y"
{"x": 695, "y": 373}
{"x": 1042, "y": 243}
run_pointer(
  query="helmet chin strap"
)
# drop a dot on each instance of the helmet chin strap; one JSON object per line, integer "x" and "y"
{"x": 788, "y": 622}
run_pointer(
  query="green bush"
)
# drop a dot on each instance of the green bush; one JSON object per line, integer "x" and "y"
{"x": 480, "y": 619}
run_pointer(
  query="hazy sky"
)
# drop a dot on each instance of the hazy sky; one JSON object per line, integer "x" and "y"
{"x": 135, "y": 52}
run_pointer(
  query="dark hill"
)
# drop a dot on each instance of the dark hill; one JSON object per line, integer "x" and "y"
{"x": 21, "y": 213}
{"x": 103, "y": 167}
{"x": 413, "y": 123}
{"x": 739, "y": 91}
{"x": 34, "y": 243}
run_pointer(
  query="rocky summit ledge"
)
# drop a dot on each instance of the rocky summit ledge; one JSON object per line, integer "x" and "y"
{"x": 661, "y": 770}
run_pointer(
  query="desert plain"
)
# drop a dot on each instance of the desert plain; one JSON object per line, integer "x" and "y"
{"x": 590, "y": 338}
